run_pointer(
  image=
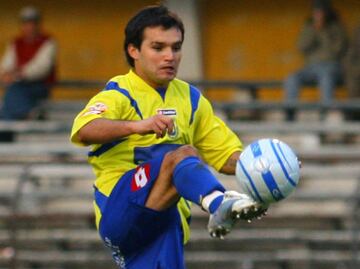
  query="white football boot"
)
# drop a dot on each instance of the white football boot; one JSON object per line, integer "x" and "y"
{"x": 233, "y": 207}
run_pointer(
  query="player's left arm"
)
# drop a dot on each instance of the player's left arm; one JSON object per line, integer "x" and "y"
{"x": 229, "y": 166}
{"x": 217, "y": 144}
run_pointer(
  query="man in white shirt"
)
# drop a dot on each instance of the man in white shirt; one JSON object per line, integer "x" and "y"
{"x": 27, "y": 68}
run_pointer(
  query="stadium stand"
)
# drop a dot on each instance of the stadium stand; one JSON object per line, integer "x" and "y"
{"x": 46, "y": 218}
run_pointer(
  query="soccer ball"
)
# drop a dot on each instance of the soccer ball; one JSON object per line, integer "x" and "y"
{"x": 268, "y": 170}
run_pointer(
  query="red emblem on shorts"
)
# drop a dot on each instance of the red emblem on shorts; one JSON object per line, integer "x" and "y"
{"x": 141, "y": 177}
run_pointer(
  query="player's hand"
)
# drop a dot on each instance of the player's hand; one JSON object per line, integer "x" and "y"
{"x": 158, "y": 124}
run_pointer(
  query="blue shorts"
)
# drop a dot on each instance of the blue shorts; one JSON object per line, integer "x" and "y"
{"x": 140, "y": 237}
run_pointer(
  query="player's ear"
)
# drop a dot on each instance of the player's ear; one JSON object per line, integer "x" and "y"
{"x": 133, "y": 51}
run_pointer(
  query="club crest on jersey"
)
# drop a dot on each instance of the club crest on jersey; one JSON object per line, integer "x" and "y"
{"x": 141, "y": 177}
{"x": 171, "y": 113}
{"x": 96, "y": 109}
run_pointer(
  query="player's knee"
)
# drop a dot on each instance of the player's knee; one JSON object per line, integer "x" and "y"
{"x": 176, "y": 156}
{"x": 185, "y": 151}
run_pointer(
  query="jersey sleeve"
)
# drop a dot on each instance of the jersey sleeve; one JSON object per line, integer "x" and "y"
{"x": 214, "y": 140}
{"x": 106, "y": 104}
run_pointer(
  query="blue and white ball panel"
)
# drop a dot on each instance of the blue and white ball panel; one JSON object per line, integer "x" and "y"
{"x": 268, "y": 170}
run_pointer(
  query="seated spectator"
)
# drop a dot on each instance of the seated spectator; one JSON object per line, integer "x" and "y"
{"x": 322, "y": 43}
{"x": 352, "y": 72}
{"x": 27, "y": 69}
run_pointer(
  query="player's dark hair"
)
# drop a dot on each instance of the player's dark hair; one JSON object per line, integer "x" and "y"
{"x": 151, "y": 16}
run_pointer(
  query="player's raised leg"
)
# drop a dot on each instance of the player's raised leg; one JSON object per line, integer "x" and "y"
{"x": 184, "y": 174}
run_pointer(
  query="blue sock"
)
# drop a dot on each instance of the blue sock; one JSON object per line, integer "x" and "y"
{"x": 215, "y": 204}
{"x": 193, "y": 180}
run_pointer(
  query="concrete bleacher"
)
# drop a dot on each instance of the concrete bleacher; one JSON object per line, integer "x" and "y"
{"x": 46, "y": 203}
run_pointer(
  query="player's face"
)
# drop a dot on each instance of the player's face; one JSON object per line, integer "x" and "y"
{"x": 158, "y": 58}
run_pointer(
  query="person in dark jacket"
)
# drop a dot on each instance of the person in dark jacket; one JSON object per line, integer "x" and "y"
{"x": 322, "y": 42}
{"x": 352, "y": 72}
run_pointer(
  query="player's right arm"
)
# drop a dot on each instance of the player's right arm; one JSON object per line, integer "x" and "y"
{"x": 110, "y": 116}
{"x": 102, "y": 130}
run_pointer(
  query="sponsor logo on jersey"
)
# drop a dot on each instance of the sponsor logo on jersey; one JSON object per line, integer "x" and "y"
{"x": 96, "y": 109}
{"x": 166, "y": 111}
{"x": 141, "y": 177}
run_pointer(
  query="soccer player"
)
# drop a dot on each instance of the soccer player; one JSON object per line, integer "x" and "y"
{"x": 152, "y": 137}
